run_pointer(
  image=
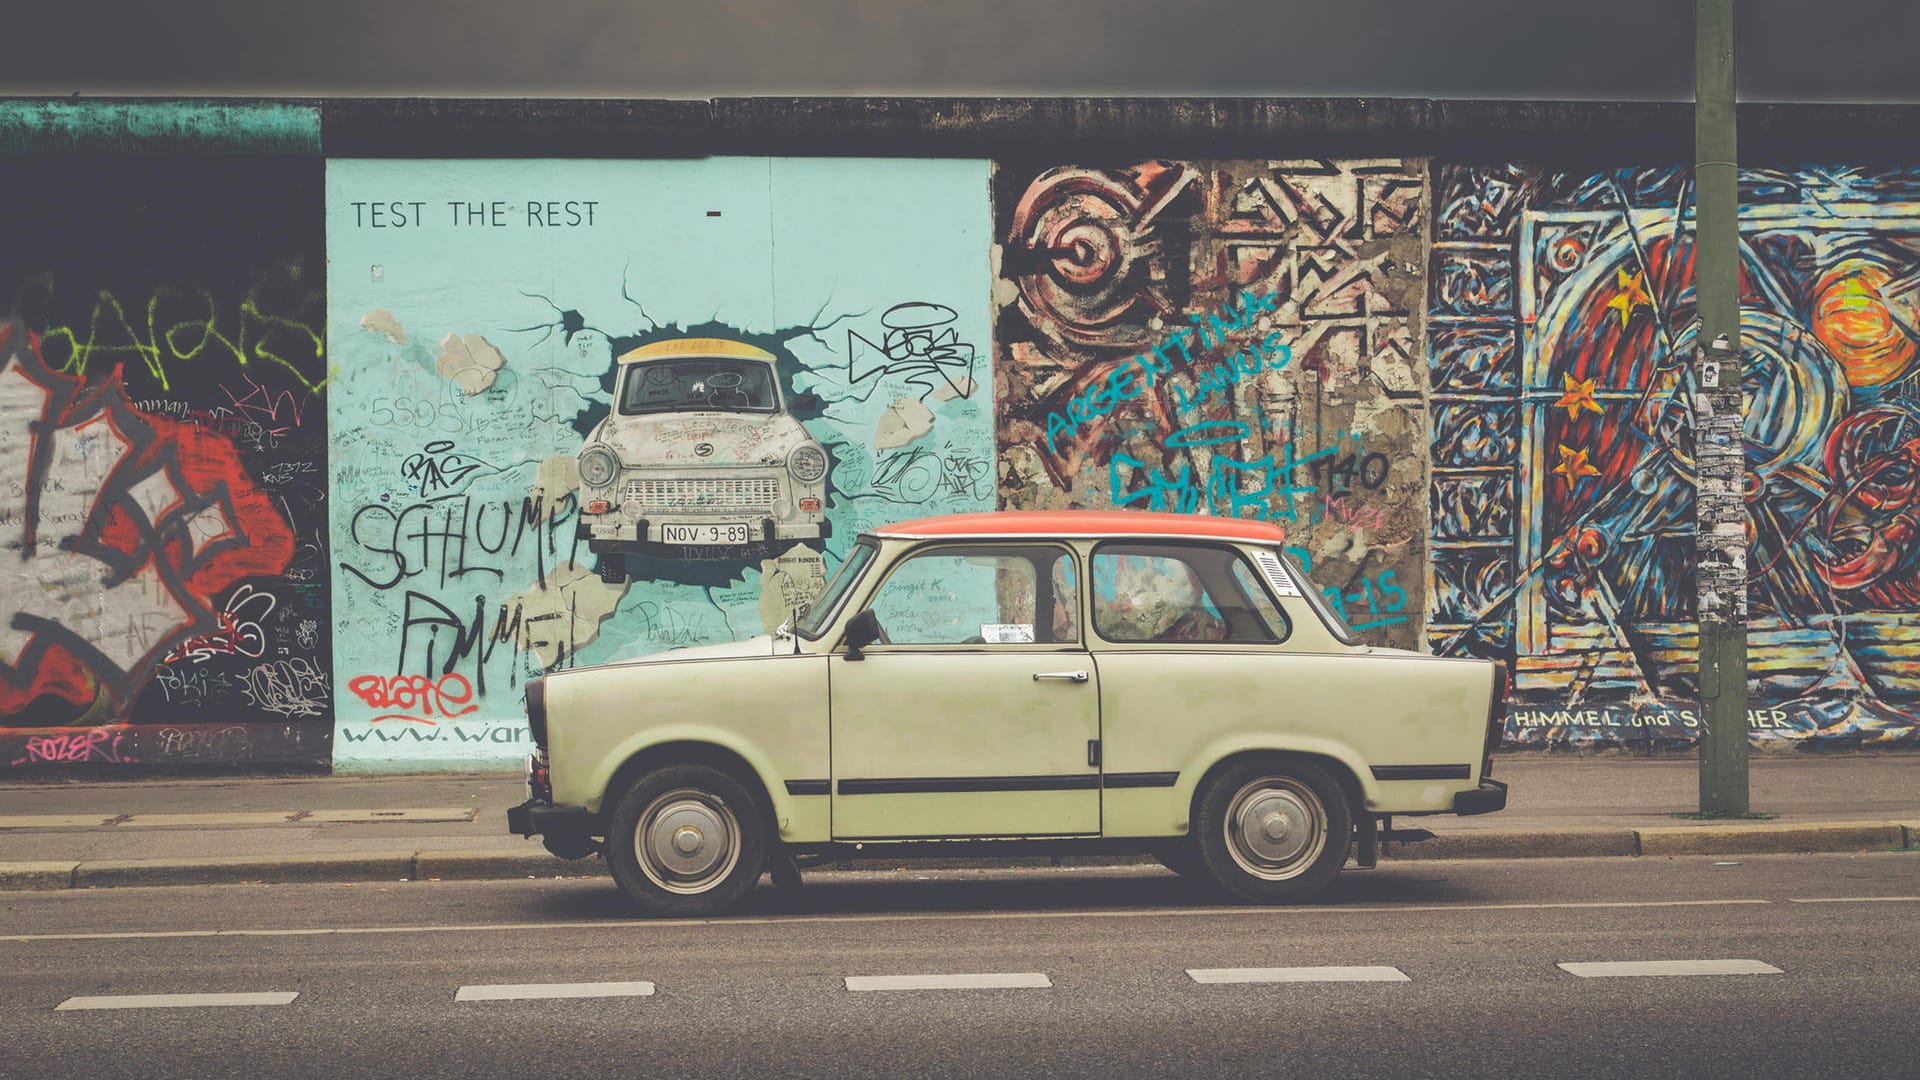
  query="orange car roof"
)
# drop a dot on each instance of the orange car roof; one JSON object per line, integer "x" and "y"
{"x": 1040, "y": 523}
{"x": 695, "y": 346}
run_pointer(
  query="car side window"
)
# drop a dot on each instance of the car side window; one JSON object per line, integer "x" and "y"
{"x": 980, "y": 595}
{"x": 1187, "y": 593}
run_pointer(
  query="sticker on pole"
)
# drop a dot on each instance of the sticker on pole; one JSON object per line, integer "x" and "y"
{"x": 1276, "y": 572}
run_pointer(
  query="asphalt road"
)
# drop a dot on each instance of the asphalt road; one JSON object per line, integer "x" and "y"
{"x": 1108, "y": 965}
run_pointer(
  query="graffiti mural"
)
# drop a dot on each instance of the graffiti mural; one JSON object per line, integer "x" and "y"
{"x": 1239, "y": 338}
{"x": 1560, "y": 325}
{"x": 160, "y": 374}
{"x": 588, "y": 410}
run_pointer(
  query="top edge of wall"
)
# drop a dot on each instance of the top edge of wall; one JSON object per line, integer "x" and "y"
{"x": 1008, "y": 128}
{"x": 194, "y": 125}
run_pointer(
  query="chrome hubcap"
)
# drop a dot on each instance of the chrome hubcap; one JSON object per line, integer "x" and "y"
{"x": 1276, "y": 827}
{"x": 687, "y": 841}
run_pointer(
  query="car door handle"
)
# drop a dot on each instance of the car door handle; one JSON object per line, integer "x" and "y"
{"x": 1070, "y": 676}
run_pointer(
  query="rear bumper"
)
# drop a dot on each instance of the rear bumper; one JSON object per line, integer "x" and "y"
{"x": 535, "y": 817}
{"x": 1490, "y": 796}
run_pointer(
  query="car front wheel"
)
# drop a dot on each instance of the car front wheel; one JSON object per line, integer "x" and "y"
{"x": 686, "y": 840}
{"x": 1274, "y": 830}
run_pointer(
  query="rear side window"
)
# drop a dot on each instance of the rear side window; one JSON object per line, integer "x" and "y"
{"x": 1181, "y": 593}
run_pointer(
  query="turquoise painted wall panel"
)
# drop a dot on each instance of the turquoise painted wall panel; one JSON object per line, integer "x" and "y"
{"x": 41, "y": 126}
{"x": 477, "y": 310}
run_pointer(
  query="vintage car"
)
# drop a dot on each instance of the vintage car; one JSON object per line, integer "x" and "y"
{"x": 1031, "y": 682}
{"x": 699, "y": 452}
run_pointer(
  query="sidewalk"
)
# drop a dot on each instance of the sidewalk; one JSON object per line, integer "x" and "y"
{"x": 85, "y": 834}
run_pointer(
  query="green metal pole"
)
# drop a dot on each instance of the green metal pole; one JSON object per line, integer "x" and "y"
{"x": 1719, "y": 419}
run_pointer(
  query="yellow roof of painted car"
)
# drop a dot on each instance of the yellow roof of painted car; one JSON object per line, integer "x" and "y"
{"x": 695, "y": 346}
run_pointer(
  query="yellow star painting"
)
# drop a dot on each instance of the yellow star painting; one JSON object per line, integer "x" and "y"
{"x": 1579, "y": 396}
{"x": 1633, "y": 294}
{"x": 1573, "y": 465}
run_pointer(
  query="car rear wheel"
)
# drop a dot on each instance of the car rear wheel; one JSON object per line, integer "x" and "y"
{"x": 1274, "y": 830}
{"x": 687, "y": 840}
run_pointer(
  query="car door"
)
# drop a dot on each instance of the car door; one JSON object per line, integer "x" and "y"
{"x": 1189, "y": 649}
{"x": 978, "y": 714}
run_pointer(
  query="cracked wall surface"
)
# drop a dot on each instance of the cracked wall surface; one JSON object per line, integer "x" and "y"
{"x": 1243, "y": 338}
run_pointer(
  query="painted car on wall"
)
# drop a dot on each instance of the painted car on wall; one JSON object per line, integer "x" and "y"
{"x": 699, "y": 453}
{"x": 1071, "y": 681}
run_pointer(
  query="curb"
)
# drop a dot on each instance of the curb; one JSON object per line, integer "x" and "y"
{"x": 37, "y": 875}
{"x": 1746, "y": 839}
{"x": 487, "y": 865}
{"x": 1660, "y": 841}
{"x": 241, "y": 870}
{"x": 1512, "y": 844}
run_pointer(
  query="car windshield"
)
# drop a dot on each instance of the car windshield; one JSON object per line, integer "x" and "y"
{"x": 698, "y": 385}
{"x": 816, "y": 617}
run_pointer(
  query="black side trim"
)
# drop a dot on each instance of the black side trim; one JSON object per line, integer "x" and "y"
{"x": 927, "y": 785}
{"x": 1140, "y": 779}
{"x": 1422, "y": 772}
{"x": 809, "y": 787}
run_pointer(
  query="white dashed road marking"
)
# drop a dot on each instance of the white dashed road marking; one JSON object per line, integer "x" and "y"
{"x": 1297, "y": 974}
{"x": 174, "y": 1001}
{"x": 531, "y": 991}
{"x": 1858, "y": 900}
{"x": 1030, "y": 980}
{"x": 1670, "y": 967}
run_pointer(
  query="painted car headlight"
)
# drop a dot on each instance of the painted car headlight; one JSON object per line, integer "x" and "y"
{"x": 808, "y": 463}
{"x": 598, "y": 466}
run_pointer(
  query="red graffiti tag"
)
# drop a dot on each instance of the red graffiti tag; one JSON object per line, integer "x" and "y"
{"x": 415, "y": 694}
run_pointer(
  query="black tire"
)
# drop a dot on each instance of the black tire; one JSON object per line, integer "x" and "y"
{"x": 612, "y": 569}
{"x": 569, "y": 847}
{"x": 1182, "y": 856}
{"x": 696, "y": 805}
{"x": 1274, "y": 829}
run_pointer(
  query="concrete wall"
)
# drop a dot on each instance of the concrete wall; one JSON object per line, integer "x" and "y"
{"x": 474, "y": 332}
{"x": 165, "y": 442}
{"x": 294, "y": 389}
{"x": 1562, "y": 313}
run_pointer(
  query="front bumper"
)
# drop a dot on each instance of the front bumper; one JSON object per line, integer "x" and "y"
{"x": 614, "y": 532}
{"x": 1490, "y": 796}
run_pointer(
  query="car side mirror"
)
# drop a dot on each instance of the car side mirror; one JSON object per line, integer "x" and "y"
{"x": 807, "y": 402}
{"x": 862, "y": 630}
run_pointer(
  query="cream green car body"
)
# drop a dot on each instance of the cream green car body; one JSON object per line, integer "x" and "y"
{"x": 1086, "y": 744}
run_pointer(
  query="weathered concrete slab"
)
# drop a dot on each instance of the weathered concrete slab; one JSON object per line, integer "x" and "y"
{"x": 270, "y": 817}
{"x": 36, "y": 875}
{"x": 54, "y": 821}
{"x": 448, "y": 813}
{"x": 272, "y": 869}
{"x": 1760, "y": 838}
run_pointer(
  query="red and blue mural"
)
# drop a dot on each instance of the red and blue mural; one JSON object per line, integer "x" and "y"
{"x": 1561, "y": 322}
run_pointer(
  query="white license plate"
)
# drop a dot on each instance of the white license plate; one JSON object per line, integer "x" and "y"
{"x": 704, "y": 534}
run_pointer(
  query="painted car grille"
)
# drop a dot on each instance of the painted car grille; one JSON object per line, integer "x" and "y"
{"x": 708, "y": 496}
